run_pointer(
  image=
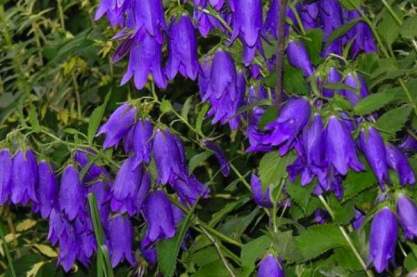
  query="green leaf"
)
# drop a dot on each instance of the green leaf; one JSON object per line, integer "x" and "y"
{"x": 95, "y": 119}
{"x": 408, "y": 28}
{"x": 351, "y": 4}
{"x": 319, "y": 239}
{"x": 254, "y": 250}
{"x": 168, "y": 250}
{"x": 198, "y": 160}
{"x": 273, "y": 167}
{"x": 270, "y": 114}
{"x": 356, "y": 182}
{"x": 314, "y": 43}
{"x": 341, "y": 31}
{"x": 33, "y": 119}
{"x": 186, "y": 108}
{"x": 294, "y": 80}
{"x": 200, "y": 117}
{"x": 393, "y": 121}
{"x": 374, "y": 102}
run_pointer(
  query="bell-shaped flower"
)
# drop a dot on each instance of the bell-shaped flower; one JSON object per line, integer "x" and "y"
{"x": 169, "y": 156}
{"x": 373, "y": 147}
{"x": 114, "y": 14}
{"x": 142, "y": 142}
{"x": 358, "y": 220}
{"x": 148, "y": 251}
{"x": 407, "y": 215}
{"x": 183, "y": 56}
{"x": 69, "y": 248}
{"x": 145, "y": 59}
{"x": 57, "y": 225}
{"x": 358, "y": 85}
{"x": 220, "y": 156}
{"x": 101, "y": 191}
{"x": 320, "y": 216}
{"x": 189, "y": 189}
{"x": 47, "y": 189}
{"x": 149, "y": 16}
{"x": 361, "y": 36}
{"x": 283, "y": 131}
{"x": 247, "y": 21}
{"x": 24, "y": 178}
{"x": 158, "y": 214}
{"x": 94, "y": 171}
{"x": 382, "y": 239}
{"x": 409, "y": 144}
{"x": 120, "y": 237}
{"x": 217, "y": 4}
{"x": 6, "y": 163}
{"x": 261, "y": 197}
{"x": 72, "y": 194}
{"x": 331, "y": 17}
{"x": 299, "y": 58}
{"x": 206, "y": 22}
{"x": 125, "y": 187}
{"x": 309, "y": 15}
{"x": 270, "y": 267}
{"x": 340, "y": 147}
{"x": 333, "y": 77}
{"x": 398, "y": 161}
{"x": 118, "y": 125}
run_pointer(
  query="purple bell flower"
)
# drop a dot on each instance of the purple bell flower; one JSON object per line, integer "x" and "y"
{"x": 101, "y": 191}
{"x": 331, "y": 17}
{"x": 358, "y": 220}
{"x": 118, "y": 125}
{"x": 189, "y": 189}
{"x": 299, "y": 58}
{"x": 372, "y": 145}
{"x": 120, "y": 234}
{"x": 333, "y": 77}
{"x": 142, "y": 142}
{"x": 47, "y": 190}
{"x": 126, "y": 187}
{"x": 169, "y": 156}
{"x": 407, "y": 214}
{"x": 6, "y": 167}
{"x": 354, "y": 81}
{"x": 183, "y": 56}
{"x": 72, "y": 194}
{"x": 114, "y": 14}
{"x": 94, "y": 171}
{"x": 149, "y": 15}
{"x": 409, "y": 144}
{"x": 206, "y": 22}
{"x": 24, "y": 178}
{"x": 270, "y": 267}
{"x": 149, "y": 253}
{"x": 217, "y": 4}
{"x": 145, "y": 58}
{"x": 382, "y": 239}
{"x": 158, "y": 214}
{"x": 261, "y": 198}
{"x": 283, "y": 131}
{"x": 340, "y": 147}
{"x": 360, "y": 35}
{"x": 247, "y": 21}
{"x": 57, "y": 225}
{"x": 69, "y": 248}
{"x": 220, "y": 156}
{"x": 309, "y": 15}
{"x": 399, "y": 162}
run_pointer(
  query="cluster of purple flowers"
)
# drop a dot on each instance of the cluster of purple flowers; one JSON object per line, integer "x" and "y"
{"x": 144, "y": 31}
{"x": 24, "y": 181}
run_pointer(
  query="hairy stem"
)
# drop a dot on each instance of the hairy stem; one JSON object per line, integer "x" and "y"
{"x": 280, "y": 52}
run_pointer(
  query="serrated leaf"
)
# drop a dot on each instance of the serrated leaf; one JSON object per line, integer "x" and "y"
{"x": 314, "y": 43}
{"x": 408, "y": 28}
{"x": 373, "y": 102}
{"x": 273, "y": 167}
{"x": 168, "y": 250}
{"x": 319, "y": 239}
{"x": 393, "y": 121}
{"x": 252, "y": 251}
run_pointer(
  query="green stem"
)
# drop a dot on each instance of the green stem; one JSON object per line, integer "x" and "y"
{"x": 6, "y": 250}
{"x": 346, "y": 237}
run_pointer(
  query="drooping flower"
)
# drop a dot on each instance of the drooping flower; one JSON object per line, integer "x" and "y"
{"x": 283, "y": 131}
{"x": 189, "y": 189}
{"x": 6, "y": 164}
{"x": 223, "y": 88}
{"x": 409, "y": 144}
{"x": 85, "y": 235}
{"x": 114, "y": 14}
{"x": 205, "y": 21}
{"x": 158, "y": 214}
{"x": 333, "y": 77}
{"x": 407, "y": 214}
{"x": 220, "y": 156}
{"x": 217, "y": 4}
{"x": 340, "y": 147}
{"x": 358, "y": 220}
{"x": 298, "y": 57}
{"x": 148, "y": 252}
{"x": 399, "y": 162}
{"x": 149, "y": 16}
{"x": 69, "y": 248}
{"x": 360, "y": 35}
{"x": 270, "y": 267}
{"x": 94, "y": 171}
{"x": 169, "y": 156}
{"x": 372, "y": 145}
{"x": 183, "y": 56}
{"x": 126, "y": 186}
{"x": 358, "y": 85}
{"x": 47, "y": 190}
{"x": 101, "y": 191}
{"x": 260, "y": 196}
{"x": 331, "y": 17}
{"x": 120, "y": 234}
{"x": 72, "y": 194}
{"x": 247, "y": 21}
{"x": 320, "y": 216}
{"x": 383, "y": 238}
{"x": 142, "y": 142}
{"x": 309, "y": 15}
{"x": 145, "y": 59}
{"x": 118, "y": 125}
{"x": 24, "y": 178}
